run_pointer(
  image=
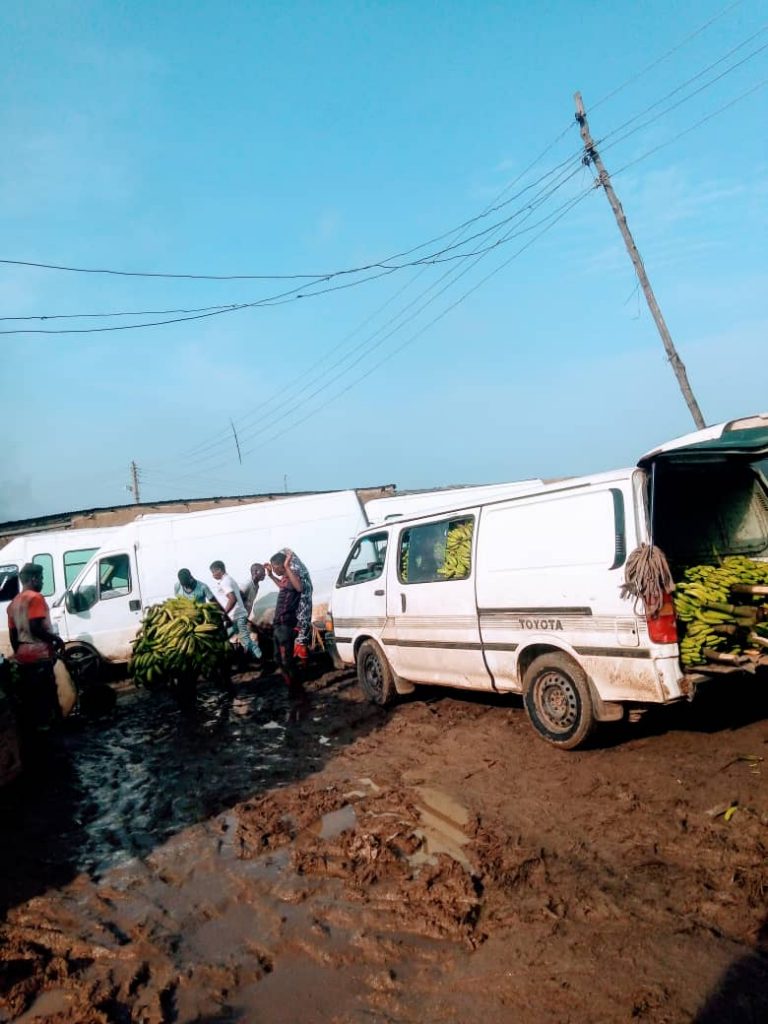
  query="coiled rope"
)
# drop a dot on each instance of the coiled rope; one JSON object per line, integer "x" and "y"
{"x": 647, "y": 578}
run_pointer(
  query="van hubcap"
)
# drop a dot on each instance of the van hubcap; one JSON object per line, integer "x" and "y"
{"x": 373, "y": 673}
{"x": 557, "y": 701}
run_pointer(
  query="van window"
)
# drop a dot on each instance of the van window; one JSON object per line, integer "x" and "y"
{"x": 46, "y": 564}
{"x": 74, "y": 561}
{"x": 114, "y": 576}
{"x": 436, "y": 552}
{"x": 366, "y": 560}
{"x": 86, "y": 595}
{"x": 9, "y": 582}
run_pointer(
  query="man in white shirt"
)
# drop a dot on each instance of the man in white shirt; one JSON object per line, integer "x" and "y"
{"x": 227, "y": 593}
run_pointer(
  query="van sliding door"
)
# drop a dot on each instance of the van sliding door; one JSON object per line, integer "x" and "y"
{"x": 435, "y": 636}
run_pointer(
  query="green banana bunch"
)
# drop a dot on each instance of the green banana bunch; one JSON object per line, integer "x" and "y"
{"x": 179, "y": 639}
{"x": 715, "y": 616}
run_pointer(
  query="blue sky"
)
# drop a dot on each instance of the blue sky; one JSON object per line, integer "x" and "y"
{"x": 280, "y": 138}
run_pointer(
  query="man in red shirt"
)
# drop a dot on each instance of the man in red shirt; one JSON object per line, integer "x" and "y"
{"x": 35, "y": 647}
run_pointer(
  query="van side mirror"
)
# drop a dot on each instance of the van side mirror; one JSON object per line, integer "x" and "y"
{"x": 80, "y": 600}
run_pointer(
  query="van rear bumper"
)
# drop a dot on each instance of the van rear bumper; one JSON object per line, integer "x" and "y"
{"x": 640, "y": 676}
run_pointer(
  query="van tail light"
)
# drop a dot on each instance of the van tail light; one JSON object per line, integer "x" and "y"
{"x": 662, "y": 628}
{"x": 329, "y": 623}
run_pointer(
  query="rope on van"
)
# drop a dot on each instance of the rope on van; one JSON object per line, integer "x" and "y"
{"x": 647, "y": 578}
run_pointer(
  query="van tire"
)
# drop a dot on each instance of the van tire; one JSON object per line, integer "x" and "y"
{"x": 375, "y": 675}
{"x": 558, "y": 700}
{"x": 84, "y": 664}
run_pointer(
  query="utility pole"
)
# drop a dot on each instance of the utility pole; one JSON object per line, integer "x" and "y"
{"x": 591, "y": 156}
{"x": 237, "y": 443}
{"x": 133, "y": 487}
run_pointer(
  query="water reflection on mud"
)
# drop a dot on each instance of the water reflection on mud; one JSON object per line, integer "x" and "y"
{"x": 102, "y": 792}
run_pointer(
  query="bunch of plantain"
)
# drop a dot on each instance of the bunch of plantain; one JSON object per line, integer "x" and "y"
{"x": 458, "y": 551}
{"x": 716, "y": 616}
{"x": 180, "y": 640}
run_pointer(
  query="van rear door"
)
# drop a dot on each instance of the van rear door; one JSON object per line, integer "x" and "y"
{"x": 747, "y": 437}
{"x": 709, "y": 493}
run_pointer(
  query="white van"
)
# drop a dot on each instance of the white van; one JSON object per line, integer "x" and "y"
{"x": 60, "y": 553}
{"x": 534, "y": 607}
{"x": 101, "y": 611}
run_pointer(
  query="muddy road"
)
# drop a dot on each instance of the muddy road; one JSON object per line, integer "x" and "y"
{"x": 250, "y": 858}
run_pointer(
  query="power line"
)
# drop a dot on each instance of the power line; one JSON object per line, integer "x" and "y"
{"x": 218, "y": 439}
{"x": 684, "y": 99}
{"x": 295, "y": 294}
{"x": 556, "y": 214}
{"x": 455, "y": 272}
{"x": 214, "y": 444}
{"x": 435, "y": 257}
{"x": 621, "y": 169}
{"x": 726, "y": 106}
{"x": 317, "y": 276}
{"x": 660, "y": 60}
{"x": 129, "y": 312}
{"x": 578, "y": 199}
{"x": 568, "y": 207}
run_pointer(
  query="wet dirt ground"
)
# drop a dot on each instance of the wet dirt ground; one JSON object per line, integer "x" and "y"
{"x": 247, "y": 857}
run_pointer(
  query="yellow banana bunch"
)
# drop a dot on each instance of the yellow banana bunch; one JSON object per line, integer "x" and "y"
{"x": 179, "y": 639}
{"x": 457, "y": 563}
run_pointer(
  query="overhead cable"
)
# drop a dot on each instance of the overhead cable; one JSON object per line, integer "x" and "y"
{"x": 660, "y": 60}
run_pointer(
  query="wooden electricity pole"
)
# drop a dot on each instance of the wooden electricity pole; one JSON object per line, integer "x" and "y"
{"x": 237, "y": 443}
{"x": 591, "y": 156}
{"x": 133, "y": 487}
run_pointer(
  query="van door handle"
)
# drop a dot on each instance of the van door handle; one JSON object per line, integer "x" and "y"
{"x": 134, "y": 606}
{"x": 378, "y": 593}
{"x": 402, "y": 602}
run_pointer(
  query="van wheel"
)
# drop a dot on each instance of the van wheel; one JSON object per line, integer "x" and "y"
{"x": 558, "y": 700}
{"x": 84, "y": 664}
{"x": 375, "y": 675}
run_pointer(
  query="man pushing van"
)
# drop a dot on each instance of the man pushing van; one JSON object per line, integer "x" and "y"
{"x": 227, "y": 593}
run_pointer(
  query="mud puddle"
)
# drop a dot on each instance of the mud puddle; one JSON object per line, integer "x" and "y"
{"x": 113, "y": 789}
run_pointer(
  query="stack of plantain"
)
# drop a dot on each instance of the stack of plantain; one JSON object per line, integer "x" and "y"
{"x": 722, "y": 616}
{"x": 180, "y": 640}
{"x": 458, "y": 551}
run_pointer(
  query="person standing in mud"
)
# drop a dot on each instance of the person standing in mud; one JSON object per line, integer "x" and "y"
{"x": 35, "y": 647}
{"x": 289, "y": 580}
{"x": 295, "y": 570}
{"x": 228, "y": 595}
